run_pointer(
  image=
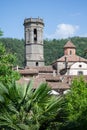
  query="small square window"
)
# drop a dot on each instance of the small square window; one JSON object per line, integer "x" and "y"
{"x": 80, "y": 72}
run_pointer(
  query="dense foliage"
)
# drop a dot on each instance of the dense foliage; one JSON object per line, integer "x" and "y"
{"x": 16, "y": 47}
{"x": 75, "y": 106}
{"x": 22, "y": 108}
{"x": 53, "y": 49}
{"x": 25, "y": 109}
{"x": 7, "y": 61}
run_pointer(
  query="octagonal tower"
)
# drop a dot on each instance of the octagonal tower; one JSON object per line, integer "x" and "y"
{"x": 33, "y": 28}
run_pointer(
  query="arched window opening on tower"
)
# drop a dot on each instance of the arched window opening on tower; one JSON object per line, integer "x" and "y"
{"x": 70, "y": 52}
{"x": 37, "y": 64}
{"x": 35, "y": 35}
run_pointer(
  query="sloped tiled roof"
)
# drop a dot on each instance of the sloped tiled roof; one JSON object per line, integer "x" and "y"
{"x": 42, "y": 68}
{"x": 72, "y": 58}
{"x": 69, "y": 44}
{"x": 37, "y": 81}
{"x": 28, "y": 71}
{"x": 64, "y": 85}
{"x": 23, "y": 81}
{"x": 50, "y": 77}
{"x": 36, "y": 70}
{"x": 59, "y": 85}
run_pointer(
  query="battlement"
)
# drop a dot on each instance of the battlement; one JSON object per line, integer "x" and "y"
{"x": 33, "y": 20}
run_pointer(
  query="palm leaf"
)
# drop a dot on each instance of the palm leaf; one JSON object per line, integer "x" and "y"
{"x": 27, "y": 93}
{"x": 41, "y": 92}
{"x": 6, "y": 121}
{"x": 3, "y": 89}
{"x": 2, "y": 100}
{"x": 23, "y": 126}
{"x": 53, "y": 104}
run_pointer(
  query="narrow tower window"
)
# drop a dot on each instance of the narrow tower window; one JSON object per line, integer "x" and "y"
{"x": 35, "y": 35}
{"x": 70, "y": 52}
{"x": 36, "y": 63}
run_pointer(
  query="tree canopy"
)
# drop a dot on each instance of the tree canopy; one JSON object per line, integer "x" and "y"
{"x": 75, "y": 106}
{"x": 53, "y": 49}
{"x": 25, "y": 109}
{"x": 7, "y": 61}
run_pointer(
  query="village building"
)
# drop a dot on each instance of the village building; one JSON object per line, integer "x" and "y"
{"x": 70, "y": 63}
{"x": 60, "y": 73}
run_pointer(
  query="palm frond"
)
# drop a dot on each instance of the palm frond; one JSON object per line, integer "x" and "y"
{"x": 3, "y": 89}
{"x": 53, "y": 104}
{"x": 2, "y": 100}
{"x": 7, "y": 121}
{"x": 23, "y": 126}
{"x": 27, "y": 93}
{"x": 41, "y": 92}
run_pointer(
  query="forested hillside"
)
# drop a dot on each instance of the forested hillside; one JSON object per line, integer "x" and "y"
{"x": 53, "y": 49}
{"x": 16, "y": 47}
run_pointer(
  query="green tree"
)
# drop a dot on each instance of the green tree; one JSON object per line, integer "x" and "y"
{"x": 23, "y": 108}
{"x": 1, "y": 33}
{"x": 7, "y": 61}
{"x": 16, "y": 47}
{"x": 53, "y": 49}
{"x": 76, "y": 106}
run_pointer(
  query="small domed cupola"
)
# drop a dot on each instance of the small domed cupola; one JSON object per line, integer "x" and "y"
{"x": 69, "y": 48}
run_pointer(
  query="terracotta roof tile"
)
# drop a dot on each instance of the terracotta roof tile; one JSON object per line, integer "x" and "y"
{"x": 42, "y": 68}
{"x": 36, "y": 70}
{"x": 49, "y": 77}
{"x": 36, "y": 81}
{"x": 65, "y": 84}
{"x": 59, "y": 85}
{"x": 28, "y": 71}
{"x": 69, "y": 44}
{"x": 71, "y": 58}
{"x": 53, "y": 82}
{"x": 23, "y": 81}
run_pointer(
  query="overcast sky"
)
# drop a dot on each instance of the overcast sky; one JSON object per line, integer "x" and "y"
{"x": 62, "y": 18}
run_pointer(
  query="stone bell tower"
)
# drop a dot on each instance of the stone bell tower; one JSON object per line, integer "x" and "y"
{"x": 33, "y": 28}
